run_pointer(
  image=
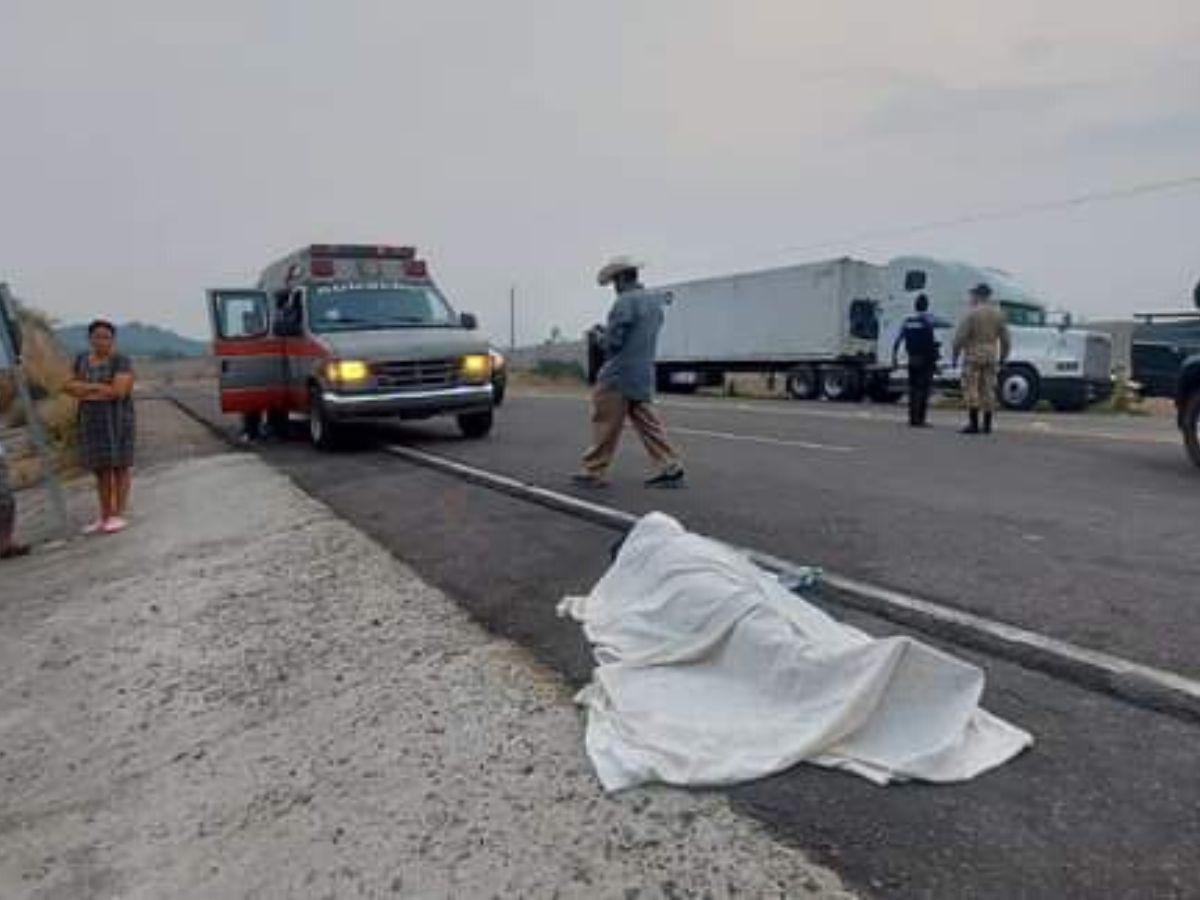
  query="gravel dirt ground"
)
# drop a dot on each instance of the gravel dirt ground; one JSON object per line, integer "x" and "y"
{"x": 243, "y": 696}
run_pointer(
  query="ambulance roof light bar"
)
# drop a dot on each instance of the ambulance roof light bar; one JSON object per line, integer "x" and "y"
{"x": 362, "y": 251}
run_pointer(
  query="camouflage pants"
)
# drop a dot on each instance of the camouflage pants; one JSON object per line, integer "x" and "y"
{"x": 979, "y": 384}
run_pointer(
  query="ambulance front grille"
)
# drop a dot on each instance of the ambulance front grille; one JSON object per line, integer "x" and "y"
{"x": 416, "y": 374}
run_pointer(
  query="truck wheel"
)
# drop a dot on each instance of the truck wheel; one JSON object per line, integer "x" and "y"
{"x": 321, "y": 431}
{"x": 841, "y": 384}
{"x": 803, "y": 384}
{"x": 475, "y": 425}
{"x": 1018, "y": 388}
{"x": 879, "y": 389}
{"x": 1190, "y": 423}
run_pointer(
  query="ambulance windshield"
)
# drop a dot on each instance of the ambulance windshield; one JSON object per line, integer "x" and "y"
{"x": 366, "y": 306}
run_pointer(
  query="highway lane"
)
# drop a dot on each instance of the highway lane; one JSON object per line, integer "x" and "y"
{"x": 1104, "y": 804}
{"x": 1082, "y": 536}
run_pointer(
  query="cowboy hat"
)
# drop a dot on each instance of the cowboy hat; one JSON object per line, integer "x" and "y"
{"x": 615, "y": 267}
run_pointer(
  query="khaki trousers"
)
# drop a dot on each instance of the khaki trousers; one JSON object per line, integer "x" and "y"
{"x": 610, "y": 408}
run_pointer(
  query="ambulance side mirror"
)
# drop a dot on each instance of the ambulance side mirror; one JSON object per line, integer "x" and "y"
{"x": 468, "y": 321}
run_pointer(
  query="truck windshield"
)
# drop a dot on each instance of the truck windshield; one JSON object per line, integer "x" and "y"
{"x": 1023, "y": 314}
{"x": 365, "y": 306}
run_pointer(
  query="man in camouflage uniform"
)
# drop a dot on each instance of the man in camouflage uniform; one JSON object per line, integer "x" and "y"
{"x": 983, "y": 341}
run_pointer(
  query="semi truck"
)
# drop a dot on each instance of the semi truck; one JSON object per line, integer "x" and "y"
{"x": 828, "y": 328}
{"x": 339, "y": 332}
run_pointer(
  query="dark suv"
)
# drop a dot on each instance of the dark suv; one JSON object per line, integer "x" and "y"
{"x": 1187, "y": 400}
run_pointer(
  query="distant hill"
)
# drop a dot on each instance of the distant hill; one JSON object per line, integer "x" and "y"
{"x": 136, "y": 339}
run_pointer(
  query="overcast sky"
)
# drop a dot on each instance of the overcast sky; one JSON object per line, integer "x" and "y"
{"x": 150, "y": 149}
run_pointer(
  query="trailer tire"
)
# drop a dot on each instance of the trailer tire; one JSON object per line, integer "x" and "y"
{"x": 322, "y": 432}
{"x": 803, "y": 383}
{"x": 841, "y": 384}
{"x": 1019, "y": 388}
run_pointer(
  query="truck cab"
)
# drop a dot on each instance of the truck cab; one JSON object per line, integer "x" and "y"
{"x": 1068, "y": 367}
{"x": 349, "y": 332}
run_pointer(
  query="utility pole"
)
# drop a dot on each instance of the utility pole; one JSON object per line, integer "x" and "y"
{"x": 8, "y": 351}
{"x": 512, "y": 319}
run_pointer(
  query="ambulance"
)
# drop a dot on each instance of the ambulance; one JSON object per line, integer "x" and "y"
{"x": 344, "y": 332}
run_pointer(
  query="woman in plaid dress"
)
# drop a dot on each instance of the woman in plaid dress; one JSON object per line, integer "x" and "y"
{"x": 103, "y": 384}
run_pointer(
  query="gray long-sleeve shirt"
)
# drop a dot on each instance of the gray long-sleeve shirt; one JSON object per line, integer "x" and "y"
{"x": 631, "y": 343}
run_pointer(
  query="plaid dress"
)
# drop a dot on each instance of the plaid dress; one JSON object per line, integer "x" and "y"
{"x": 106, "y": 427}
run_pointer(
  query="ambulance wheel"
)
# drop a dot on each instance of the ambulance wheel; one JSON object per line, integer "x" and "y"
{"x": 321, "y": 431}
{"x": 475, "y": 425}
{"x": 280, "y": 425}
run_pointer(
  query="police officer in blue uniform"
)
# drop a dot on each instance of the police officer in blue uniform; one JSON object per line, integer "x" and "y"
{"x": 921, "y": 346}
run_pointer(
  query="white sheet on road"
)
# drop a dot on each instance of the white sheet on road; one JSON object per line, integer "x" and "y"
{"x": 710, "y": 672}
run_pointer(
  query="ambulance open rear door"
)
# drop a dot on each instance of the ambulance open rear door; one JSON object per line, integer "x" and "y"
{"x": 249, "y": 356}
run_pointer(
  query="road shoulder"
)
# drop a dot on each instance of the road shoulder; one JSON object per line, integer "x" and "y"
{"x": 244, "y": 695}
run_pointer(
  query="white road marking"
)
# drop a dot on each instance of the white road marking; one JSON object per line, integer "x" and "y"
{"x": 1142, "y": 684}
{"x": 1012, "y": 425}
{"x": 758, "y": 439}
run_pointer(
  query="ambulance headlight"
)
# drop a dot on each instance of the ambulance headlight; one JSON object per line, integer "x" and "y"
{"x": 476, "y": 368}
{"x": 347, "y": 370}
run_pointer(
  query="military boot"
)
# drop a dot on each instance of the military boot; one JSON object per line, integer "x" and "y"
{"x": 973, "y": 424}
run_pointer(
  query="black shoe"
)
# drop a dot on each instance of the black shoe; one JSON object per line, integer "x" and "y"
{"x": 671, "y": 478}
{"x": 970, "y": 429}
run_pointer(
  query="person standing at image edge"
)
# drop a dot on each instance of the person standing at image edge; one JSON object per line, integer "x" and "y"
{"x": 103, "y": 385}
{"x": 9, "y": 548}
{"x": 921, "y": 348}
{"x": 984, "y": 343}
{"x": 625, "y": 384}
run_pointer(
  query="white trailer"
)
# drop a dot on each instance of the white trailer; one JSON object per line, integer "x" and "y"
{"x": 817, "y": 322}
{"x": 829, "y": 327}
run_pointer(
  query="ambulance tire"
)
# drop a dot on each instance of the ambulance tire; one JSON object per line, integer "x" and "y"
{"x": 280, "y": 425}
{"x": 475, "y": 425}
{"x": 322, "y": 432}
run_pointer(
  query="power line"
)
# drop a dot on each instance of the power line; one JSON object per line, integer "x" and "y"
{"x": 1016, "y": 212}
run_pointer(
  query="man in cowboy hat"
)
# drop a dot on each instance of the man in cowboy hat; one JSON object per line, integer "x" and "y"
{"x": 625, "y": 384}
{"x": 983, "y": 340}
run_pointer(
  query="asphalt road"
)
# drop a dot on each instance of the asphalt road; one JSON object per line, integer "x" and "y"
{"x": 1107, "y": 803}
{"x": 1087, "y": 535}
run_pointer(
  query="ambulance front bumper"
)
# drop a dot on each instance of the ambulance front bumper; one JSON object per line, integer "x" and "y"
{"x": 408, "y": 404}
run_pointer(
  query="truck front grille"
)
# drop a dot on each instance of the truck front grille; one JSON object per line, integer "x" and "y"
{"x": 416, "y": 374}
{"x": 1097, "y": 363}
